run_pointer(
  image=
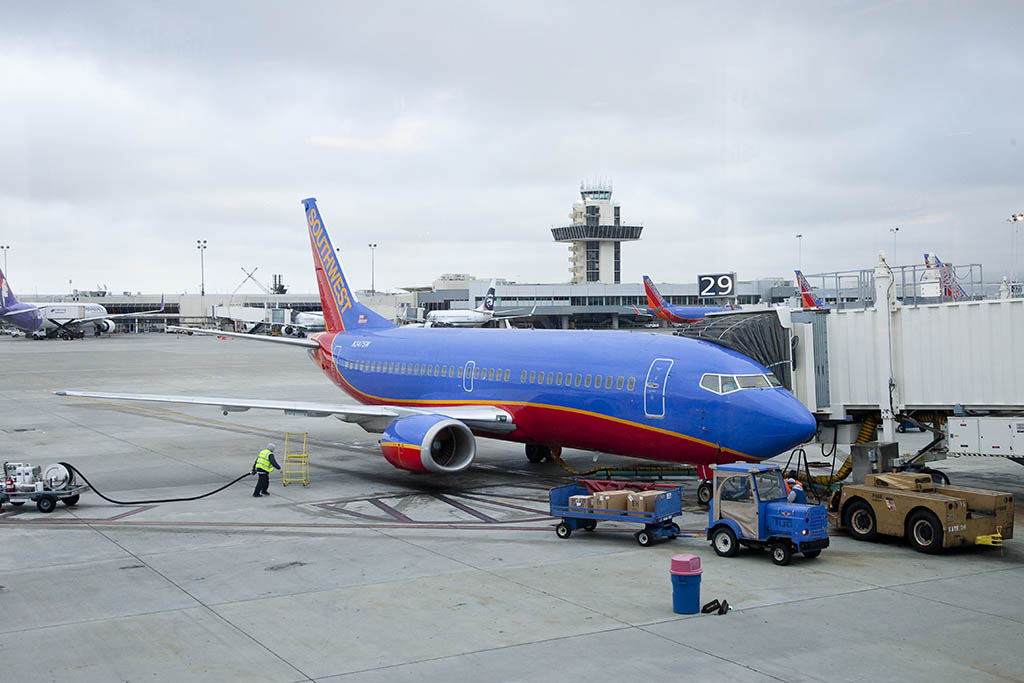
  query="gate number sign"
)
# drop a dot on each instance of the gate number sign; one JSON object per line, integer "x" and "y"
{"x": 723, "y": 284}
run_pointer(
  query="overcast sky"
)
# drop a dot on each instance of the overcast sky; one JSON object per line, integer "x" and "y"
{"x": 455, "y": 135}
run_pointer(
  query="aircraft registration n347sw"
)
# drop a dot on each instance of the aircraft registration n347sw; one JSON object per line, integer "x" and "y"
{"x": 432, "y": 392}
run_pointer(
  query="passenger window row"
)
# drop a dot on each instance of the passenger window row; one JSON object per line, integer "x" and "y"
{"x": 726, "y": 384}
{"x": 493, "y": 374}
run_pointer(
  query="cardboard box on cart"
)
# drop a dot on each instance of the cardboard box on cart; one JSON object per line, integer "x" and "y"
{"x": 582, "y": 503}
{"x": 612, "y": 500}
{"x": 643, "y": 501}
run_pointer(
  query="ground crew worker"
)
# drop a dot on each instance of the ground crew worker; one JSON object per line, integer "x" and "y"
{"x": 795, "y": 489}
{"x": 264, "y": 465}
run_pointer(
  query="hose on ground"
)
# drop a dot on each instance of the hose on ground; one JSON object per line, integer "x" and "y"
{"x": 72, "y": 468}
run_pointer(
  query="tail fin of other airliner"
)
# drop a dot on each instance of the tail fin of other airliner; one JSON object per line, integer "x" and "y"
{"x": 342, "y": 311}
{"x": 654, "y": 298}
{"x": 488, "y": 304}
{"x": 7, "y": 297}
{"x": 808, "y": 299}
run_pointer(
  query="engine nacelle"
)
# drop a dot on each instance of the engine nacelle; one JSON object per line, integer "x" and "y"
{"x": 107, "y": 326}
{"x": 428, "y": 443}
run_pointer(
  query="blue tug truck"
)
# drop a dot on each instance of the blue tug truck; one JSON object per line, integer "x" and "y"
{"x": 749, "y": 508}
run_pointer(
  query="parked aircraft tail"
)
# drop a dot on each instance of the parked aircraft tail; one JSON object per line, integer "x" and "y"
{"x": 808, "y": 298}
{"x": 7, "y": 297}
{"x": 654, "y": 298}
{"x": 488, "y": 304}
{"x": 342, "y": 310}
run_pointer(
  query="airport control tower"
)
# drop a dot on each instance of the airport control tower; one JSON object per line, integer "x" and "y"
{"x": 595, "y": 236}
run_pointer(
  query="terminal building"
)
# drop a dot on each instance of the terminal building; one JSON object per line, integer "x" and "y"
{"x": 593, "y": 297}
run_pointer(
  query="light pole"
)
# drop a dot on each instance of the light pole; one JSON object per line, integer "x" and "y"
{"x": 372, "y": 289}
{"x": 894, "y": 231}
{"x": 1015, "y": 218}
{"x": 201, "y": 246}
{"x": 800, "y": 251}
{"x": 4, "y": 248}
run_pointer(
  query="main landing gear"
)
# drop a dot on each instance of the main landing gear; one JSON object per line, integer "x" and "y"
{"x": 536, "y": 452}
{"x": 704, "y": 493}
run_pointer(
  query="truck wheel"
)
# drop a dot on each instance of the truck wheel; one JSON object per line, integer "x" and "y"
{"x": 590, "y": 526}
{"x": 901, "y": 428}
{"x": 704, "y": 493}
{"x": 563, "y": 530}
{"x": 811, "y": 554}
{"x": 46, "y": 503}
{"x": 644, "y": 538}
{"x": 71, "y": 500}
{"x": 859, "y": 519}
{"x": 17, "y": 503}
{"x": 925, "y": 532}
{"x": 781, "y": 553}
{"x": 723, "y": 540}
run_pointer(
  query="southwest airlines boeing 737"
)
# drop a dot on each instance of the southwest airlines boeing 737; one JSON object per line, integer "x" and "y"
{"x": 660, "y": 308}
{"x": 648, "y": 396}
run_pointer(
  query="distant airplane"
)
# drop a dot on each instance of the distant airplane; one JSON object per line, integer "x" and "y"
{"x": 808, "y": 298}
{"x": 62, "y": 320}
{"x": 430, "y": 395}
{"x": 658, "y": 307}
{"x": 481, "y": 315}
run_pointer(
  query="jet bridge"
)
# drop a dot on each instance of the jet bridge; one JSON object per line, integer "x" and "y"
{"x": 896, "y": 359}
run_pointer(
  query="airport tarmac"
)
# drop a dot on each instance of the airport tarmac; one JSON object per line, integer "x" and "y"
{"x": 375, "y": 574}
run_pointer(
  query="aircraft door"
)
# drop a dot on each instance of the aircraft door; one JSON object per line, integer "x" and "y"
{"x": 654, "y": 387}
{"x": 467, "y": 375}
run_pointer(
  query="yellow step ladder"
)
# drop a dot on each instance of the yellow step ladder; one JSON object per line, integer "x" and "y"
{"x": 296, "y": 464}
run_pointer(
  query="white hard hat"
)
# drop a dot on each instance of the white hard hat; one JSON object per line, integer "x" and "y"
{"x": 270, "y": 446}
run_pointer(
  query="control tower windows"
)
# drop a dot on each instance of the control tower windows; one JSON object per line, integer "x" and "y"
{"x": 593, "y": 261}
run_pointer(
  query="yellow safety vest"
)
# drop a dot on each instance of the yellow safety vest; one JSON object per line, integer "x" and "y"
{"x": 263, "y": 461}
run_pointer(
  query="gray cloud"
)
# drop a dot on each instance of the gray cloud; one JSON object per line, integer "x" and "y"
{"x": 455, "y": 134}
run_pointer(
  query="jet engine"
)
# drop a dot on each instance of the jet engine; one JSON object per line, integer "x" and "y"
{"x": 106, "y": 326}
{"x": 428, "y": 443}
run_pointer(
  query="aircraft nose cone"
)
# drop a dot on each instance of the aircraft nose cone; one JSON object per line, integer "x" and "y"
{"x": 787, "y": 425}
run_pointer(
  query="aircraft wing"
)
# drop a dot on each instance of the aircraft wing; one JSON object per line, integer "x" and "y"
{"x": 289, "y": 341}
{"x": 497, "y": 316}
{"x": 370, "y": 418}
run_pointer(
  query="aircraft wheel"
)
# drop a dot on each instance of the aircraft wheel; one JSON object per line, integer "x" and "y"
{"x": 859, "y": 519}
{"x": 724, "y": 542}
{"x": 704, "y": 493}
{"x": 535, "y": 453}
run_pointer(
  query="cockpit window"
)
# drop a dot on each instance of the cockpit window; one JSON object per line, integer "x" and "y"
{"x": 724, "y": 384}
{"x": 753, "y": 381}
{"x": 711, "y": 383}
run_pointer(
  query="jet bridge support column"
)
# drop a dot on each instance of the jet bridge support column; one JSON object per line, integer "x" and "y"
{"x": 884, "y": 305}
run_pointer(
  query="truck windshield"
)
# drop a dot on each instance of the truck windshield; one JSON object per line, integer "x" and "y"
{"x": 769, "y": 485}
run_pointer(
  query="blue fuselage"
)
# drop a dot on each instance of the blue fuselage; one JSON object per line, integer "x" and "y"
{"x": 632, "y": 394}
